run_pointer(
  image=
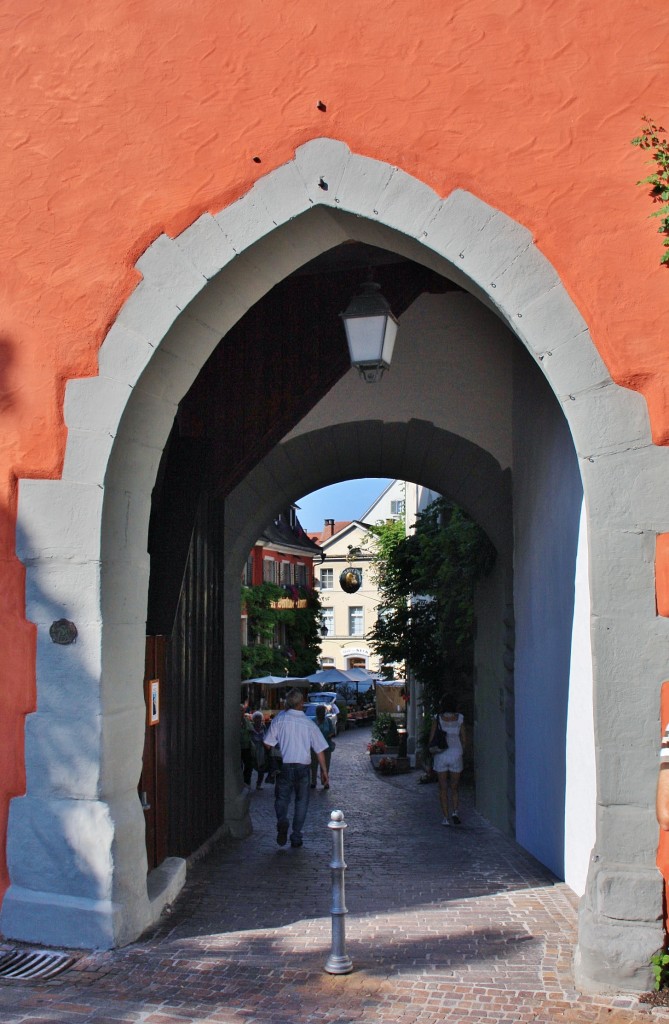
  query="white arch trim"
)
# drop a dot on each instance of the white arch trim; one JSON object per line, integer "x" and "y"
{"x": 75, "y": 841}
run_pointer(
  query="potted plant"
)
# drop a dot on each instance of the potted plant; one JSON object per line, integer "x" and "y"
{"x": 377, "y": 750}
{"x": 385, "y": 729}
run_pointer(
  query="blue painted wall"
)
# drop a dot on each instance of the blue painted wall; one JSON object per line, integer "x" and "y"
{"x": 547, "y": 496}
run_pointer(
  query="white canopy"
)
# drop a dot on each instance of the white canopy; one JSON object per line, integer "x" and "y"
{"x": 274, "y": 682}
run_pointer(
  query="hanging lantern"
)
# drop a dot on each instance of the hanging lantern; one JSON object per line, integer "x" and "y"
{"x": 371, "y": 329}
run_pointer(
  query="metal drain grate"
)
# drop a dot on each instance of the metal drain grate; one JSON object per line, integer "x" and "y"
{"x": 28, "y": 964}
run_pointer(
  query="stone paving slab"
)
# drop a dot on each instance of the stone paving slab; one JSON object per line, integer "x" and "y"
{"x": 450, "y": 924}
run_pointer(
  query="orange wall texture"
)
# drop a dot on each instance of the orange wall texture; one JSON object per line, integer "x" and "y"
{"x": 126, "y": 119}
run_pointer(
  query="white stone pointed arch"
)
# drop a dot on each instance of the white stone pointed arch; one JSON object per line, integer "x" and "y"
{"x": 75, "y": 842}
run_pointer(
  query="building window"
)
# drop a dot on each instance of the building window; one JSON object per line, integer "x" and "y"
{"x": 356, "y": 622}
{"x": 286, "y": 574}
{"x": 245, "y": 631}
{"x": 327, "y": 579}
{"x": 269, "y": 567}
{"x": 247, "y": 574}
{"x": 327, "y": 662}
{"x": 397, "y": 508}
{"x": 327, "y": 616}
{"x": 300, "y": 574}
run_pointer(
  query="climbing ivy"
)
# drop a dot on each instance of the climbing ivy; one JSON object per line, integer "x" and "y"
{"x": 651, "y": 139}
{"x": 298, "y": 656}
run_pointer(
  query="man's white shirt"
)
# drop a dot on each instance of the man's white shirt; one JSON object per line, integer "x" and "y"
{"x": 296, "y": 736}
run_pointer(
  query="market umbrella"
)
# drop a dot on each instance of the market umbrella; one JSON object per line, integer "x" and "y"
{"x": 330, "y": 676}
{"x": 276, "y": 681}
{"x": 360, "y": 675}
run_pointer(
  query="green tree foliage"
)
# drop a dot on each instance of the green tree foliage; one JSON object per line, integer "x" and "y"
{"x": 386, "y": 538}
{"x": 298, "y": 656}
{"x": 652, "y": 141}
{"x": 427, "y": 582}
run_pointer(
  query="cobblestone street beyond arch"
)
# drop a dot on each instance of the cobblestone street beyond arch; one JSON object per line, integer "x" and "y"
{"x": 445, "y": 924}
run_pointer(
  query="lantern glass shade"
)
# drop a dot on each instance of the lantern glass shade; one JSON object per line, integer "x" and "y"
{"x": 371, "y": 330}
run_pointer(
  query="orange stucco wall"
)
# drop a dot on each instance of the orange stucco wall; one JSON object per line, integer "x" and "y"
{"x": 662, "y": 576}
{"x": 131, "y": 118}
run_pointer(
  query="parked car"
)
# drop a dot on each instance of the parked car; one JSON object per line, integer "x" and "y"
{"x": 324, "y": 697}
{"x": 331, "y": 709}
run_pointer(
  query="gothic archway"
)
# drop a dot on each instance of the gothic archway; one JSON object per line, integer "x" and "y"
{"x": 83, "y": 537}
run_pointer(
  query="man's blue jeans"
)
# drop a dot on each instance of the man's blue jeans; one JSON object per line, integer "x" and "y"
{"x": 293, "y": 779}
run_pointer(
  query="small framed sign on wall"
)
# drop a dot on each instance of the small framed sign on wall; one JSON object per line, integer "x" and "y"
{"x": 154, "y": 701}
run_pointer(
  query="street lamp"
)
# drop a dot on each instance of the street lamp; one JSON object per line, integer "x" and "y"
{"x": 370, "y": 329}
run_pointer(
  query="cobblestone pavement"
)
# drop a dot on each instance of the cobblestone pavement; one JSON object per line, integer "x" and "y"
{"x": 444, "y": 925}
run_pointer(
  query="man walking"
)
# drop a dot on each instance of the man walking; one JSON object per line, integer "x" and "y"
{"x": 296, "y": 736}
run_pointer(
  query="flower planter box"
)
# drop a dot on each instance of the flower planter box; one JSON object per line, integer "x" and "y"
{"x": 390, "y": 764}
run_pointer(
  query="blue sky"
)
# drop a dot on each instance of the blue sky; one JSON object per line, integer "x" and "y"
{"x": 347, "y": 500}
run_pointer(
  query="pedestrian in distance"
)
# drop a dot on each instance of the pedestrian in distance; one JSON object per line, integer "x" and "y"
{"x": 245, "y": 746}
{"x": 296, "y": 736}
{"x": 327, "y": 729}
{"x": 447, "y": 760}
{"x": 260, "y": 754}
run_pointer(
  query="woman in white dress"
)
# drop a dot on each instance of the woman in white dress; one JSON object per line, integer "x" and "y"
{"x": 448, "y": 763}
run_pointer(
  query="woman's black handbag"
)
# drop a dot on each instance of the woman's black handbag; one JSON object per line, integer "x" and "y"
{"x": 439, "y": 740}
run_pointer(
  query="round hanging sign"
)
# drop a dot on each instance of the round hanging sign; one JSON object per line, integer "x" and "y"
{"x": 350, "y": 580}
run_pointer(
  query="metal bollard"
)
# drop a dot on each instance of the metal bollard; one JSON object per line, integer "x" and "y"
{"x": 338, "y": 962}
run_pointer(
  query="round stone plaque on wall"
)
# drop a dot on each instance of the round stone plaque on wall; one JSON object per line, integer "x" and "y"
{"x": 62, "y": 631}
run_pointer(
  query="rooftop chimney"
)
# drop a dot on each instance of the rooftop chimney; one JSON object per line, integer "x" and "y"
{"x": 329, "y": 527}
